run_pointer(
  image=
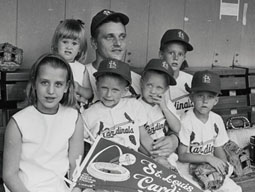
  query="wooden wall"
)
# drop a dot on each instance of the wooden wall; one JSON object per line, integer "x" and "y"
{"x": 30, "y": 24}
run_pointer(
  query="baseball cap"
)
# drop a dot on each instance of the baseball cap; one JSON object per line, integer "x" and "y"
{"x": 105, "y": 14}
{"x": 116, "y": 67}
{"x": 175, "y": 35}
{"x": 161, "y": 65}
{"x": 206, "y": 81}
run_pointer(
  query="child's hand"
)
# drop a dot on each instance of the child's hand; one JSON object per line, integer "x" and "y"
{"x": 81, "y": 99}
{"x": 220, "y": 165}
{"x": 76, "y": 87}
{"x": 160, "y": 100}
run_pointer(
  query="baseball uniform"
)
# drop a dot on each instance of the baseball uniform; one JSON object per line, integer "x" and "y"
{"x": 201, "y": 138}
{"x": 157, "y": 124}
{"x": 119, "y": 124}
{"x": 179, "y": 95}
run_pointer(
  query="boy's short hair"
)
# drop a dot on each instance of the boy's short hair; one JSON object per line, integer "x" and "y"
{"x": 105, "y": 16}
{"x": 175, "y": 35}
{"x": 160, "y": 66}
{"x": 206, "y": 81}
{"x": 114, "y": 66}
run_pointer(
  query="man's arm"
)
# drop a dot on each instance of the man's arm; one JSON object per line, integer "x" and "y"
{"x": 165, "y": 146}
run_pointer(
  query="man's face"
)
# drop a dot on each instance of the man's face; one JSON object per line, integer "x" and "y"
{"x": 111, "y": 41}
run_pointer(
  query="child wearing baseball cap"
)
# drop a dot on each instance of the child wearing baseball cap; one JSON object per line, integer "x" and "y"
{"x": 162, "y": 117}
{"x": 203, "y": 133}
{"x": 174, "y": 45}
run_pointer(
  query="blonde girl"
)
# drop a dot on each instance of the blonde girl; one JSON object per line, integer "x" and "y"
{"x": 43, "y": 140}
{"x": 70, "y": 42}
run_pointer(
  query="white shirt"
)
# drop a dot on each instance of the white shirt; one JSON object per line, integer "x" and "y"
{"x": 178, "y": 94}
{"x": 201, "y": 138}
{"x": 157, "y": 123}
{"x": 119, "y": 124}
{"x": 78, "y": 71}
{"x": 44, "y": 150}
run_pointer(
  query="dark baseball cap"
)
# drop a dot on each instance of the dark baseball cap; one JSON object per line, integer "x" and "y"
{"x": 116, "y": 67}
{"x": 104, "y": 15}
{"x": 162, "y": 66}
{"x": 206, "y": 81}
{"x": 175, "y": 35}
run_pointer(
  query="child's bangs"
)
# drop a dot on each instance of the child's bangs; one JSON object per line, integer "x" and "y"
{"x": 70, "y": 34}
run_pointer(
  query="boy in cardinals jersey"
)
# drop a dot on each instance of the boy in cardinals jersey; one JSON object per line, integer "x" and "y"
{"x": 203, "y": 133}
{"x": 174, "y": 46}
{"x": 162, "y": 117}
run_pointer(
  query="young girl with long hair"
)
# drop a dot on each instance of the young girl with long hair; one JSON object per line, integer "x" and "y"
{"x": 43, "y": 140}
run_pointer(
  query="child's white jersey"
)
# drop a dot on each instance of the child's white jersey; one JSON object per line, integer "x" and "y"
{"x": 44, "y": 150}
{"x": 178, "y": 94}
{"x": 78, "y": 71}
{"x": 119, "y": 124}
{"x": 134, "y": 76}
{"x": 157, "y": 125}
{"x": 199, "y": 137}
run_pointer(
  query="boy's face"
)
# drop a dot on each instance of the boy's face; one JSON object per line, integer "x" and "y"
{"x": 68, "y": 48}
{"x": 110, "y": 41}
{"x": 174, "y": 54}
{"x": 110, "y": 90}
{"x": 204, "y": 101}
{"x": 153, "y": 85}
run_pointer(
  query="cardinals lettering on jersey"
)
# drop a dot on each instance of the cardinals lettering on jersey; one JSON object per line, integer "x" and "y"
{"x": 205, "y": 147}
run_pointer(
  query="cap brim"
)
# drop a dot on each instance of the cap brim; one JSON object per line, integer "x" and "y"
{"x": 206, "y": 88}
{"x": 124, "y": 19}
{"x": 98, "y": 74}
{"x": 189, "y": 46}
{"x": 171, "y": 79}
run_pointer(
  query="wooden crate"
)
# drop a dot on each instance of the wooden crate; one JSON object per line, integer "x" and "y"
{"x": 251, "y": 85}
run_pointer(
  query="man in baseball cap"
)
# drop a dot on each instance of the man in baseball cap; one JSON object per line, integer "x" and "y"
{"x": 108, "y": 39}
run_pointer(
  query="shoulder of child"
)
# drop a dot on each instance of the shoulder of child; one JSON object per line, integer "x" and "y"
{"x": 215, "y": 115}
{"x": 185, "y": 75}
{"x": 25, "y": 110}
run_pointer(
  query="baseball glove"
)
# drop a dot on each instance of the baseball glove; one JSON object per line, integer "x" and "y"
{"x": 237, "y": 157}
{"x": 207, "y": 176}
{"x": 10, "y": 57}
